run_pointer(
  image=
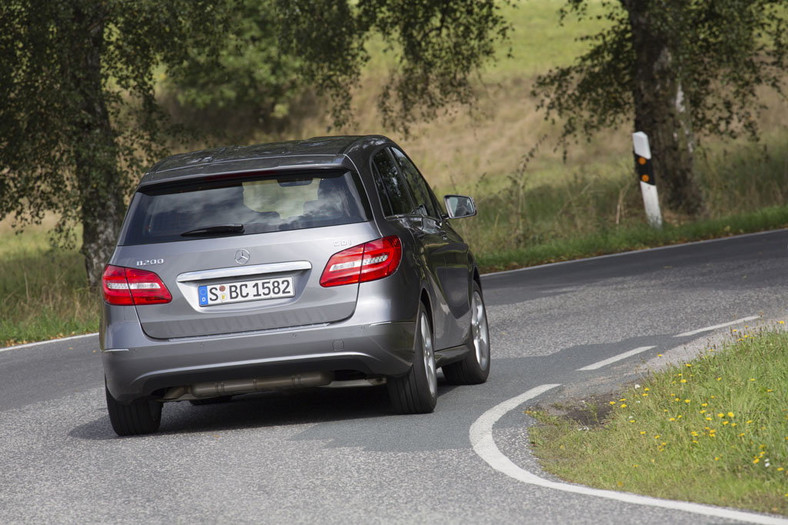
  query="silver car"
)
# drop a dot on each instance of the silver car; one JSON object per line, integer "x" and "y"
{"x": 288, "y": 265}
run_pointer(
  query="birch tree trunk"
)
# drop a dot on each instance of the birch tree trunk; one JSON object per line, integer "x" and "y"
{"x": 661, "y": 109}
{"x": 96, "y": 153}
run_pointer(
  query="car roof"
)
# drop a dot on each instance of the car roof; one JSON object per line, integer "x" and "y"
{"x": 316, "y": 152}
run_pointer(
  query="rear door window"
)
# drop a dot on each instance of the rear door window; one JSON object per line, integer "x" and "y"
{"x": 395, "y": 195}
{"x": 243, "y": 205}
{"x": 425, "y": 200}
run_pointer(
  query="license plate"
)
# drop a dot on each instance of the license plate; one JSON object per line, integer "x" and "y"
{"x": 239, "y": 292}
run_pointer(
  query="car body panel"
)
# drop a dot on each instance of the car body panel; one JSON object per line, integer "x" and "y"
{"x": 312, "y": 304}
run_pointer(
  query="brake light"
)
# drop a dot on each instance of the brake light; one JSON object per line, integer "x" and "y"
{"x": 365, "y": 262}
{"x": 129, "y": 286}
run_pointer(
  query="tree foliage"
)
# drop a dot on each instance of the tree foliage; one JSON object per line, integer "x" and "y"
{"x": 249, "y": 84}
{"x": 683, "y": 68}
{"x": 281, "y": 48}
{"x": 79, "y": 117}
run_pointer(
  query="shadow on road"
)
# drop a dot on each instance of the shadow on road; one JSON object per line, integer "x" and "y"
{"x": 321, "y": 405}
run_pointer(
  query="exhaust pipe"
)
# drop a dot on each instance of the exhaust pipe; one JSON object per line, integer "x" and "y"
{"x": 247, "y": 386}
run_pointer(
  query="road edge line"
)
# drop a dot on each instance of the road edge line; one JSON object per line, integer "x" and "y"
{"x": 484, "y": 446}
{"x": 615, "y": 359}
{"x": 718, "y": 326}
{"x": 39, "y": 343}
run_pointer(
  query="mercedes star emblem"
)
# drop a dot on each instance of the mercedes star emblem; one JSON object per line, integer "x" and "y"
{"x": 242, "y": 256}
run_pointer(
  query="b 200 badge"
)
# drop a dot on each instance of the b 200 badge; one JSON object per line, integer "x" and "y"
{"x": 149, "y": 262}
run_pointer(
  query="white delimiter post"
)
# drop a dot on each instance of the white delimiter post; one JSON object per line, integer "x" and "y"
{"x": 645, "y": 172}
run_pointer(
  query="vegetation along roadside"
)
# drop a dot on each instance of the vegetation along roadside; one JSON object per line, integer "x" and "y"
{"x": 709, "y": 431}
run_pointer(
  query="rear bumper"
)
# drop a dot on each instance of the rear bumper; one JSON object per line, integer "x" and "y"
{"x": 144, "y": 365}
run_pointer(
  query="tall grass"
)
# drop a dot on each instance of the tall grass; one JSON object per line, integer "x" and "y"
{"x": 44, "y": 290}
{"x": 744, "y": 186}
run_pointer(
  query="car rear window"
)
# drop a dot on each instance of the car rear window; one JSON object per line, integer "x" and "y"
{"x": 243, "y": 205}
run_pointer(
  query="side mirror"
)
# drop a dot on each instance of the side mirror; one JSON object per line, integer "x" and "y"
{"x": 459, "y": 206}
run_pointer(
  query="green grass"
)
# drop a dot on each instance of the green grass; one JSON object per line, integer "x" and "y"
{"x": 44, "y": 290}
{"x": 711, "y": 431}
{"x": 536, "y": 42}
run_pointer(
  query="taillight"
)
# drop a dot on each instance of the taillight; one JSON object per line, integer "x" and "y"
{"x": 365, "y": 262}
{"x": 127, "y": 286}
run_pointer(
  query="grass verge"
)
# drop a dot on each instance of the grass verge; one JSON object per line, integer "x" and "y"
{"x": 713, "y": 431}
{"x": 44, "y": 291}
{"x": 633, "y": 237}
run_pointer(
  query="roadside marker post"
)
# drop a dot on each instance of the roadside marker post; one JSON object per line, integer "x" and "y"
{"x": 645, "y": 172}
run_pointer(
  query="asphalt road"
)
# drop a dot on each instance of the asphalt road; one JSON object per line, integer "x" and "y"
{"x": 339, "y": 455}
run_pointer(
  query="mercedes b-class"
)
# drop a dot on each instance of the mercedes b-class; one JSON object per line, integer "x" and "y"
{"x": 288, "y": 265}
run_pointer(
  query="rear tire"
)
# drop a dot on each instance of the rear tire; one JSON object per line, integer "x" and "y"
{"x": 417, "y": 391}
{"x": 475, "y": 367}
{"x": 141, "y": 416}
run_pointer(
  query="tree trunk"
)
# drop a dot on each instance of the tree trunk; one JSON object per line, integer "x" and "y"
{"x": 96, "y": 153}
{"x": 661, "y": 109}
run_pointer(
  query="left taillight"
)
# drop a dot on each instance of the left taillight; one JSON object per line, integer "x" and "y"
{"x": 129, "y": 286}
{"x": 365, "y": 262}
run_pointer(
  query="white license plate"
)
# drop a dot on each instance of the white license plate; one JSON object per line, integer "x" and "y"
{"x": 239, "y": 292}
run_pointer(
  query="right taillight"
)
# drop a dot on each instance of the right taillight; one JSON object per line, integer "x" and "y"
{"x": 129, "y": 286}
{"x": 365, "y": 262}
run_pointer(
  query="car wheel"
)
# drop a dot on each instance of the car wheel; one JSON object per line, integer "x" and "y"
{"x": 417, "y": 391}
{"x": 141, "y": 416}
{"x": 475, "y": 368}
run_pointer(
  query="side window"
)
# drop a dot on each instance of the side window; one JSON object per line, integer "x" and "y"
{"x": 421, "y": 192}
{"x": 394, "y": 194}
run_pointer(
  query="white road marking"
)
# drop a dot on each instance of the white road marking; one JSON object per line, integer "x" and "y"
{"x": 40, "y": 343}
{"x": 484, "y": 445}
{"x": 723, "y": 325}
{"x": 613, "y": 359}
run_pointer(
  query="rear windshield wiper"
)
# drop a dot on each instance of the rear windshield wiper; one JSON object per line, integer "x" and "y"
{"x": 214, "y": 230}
